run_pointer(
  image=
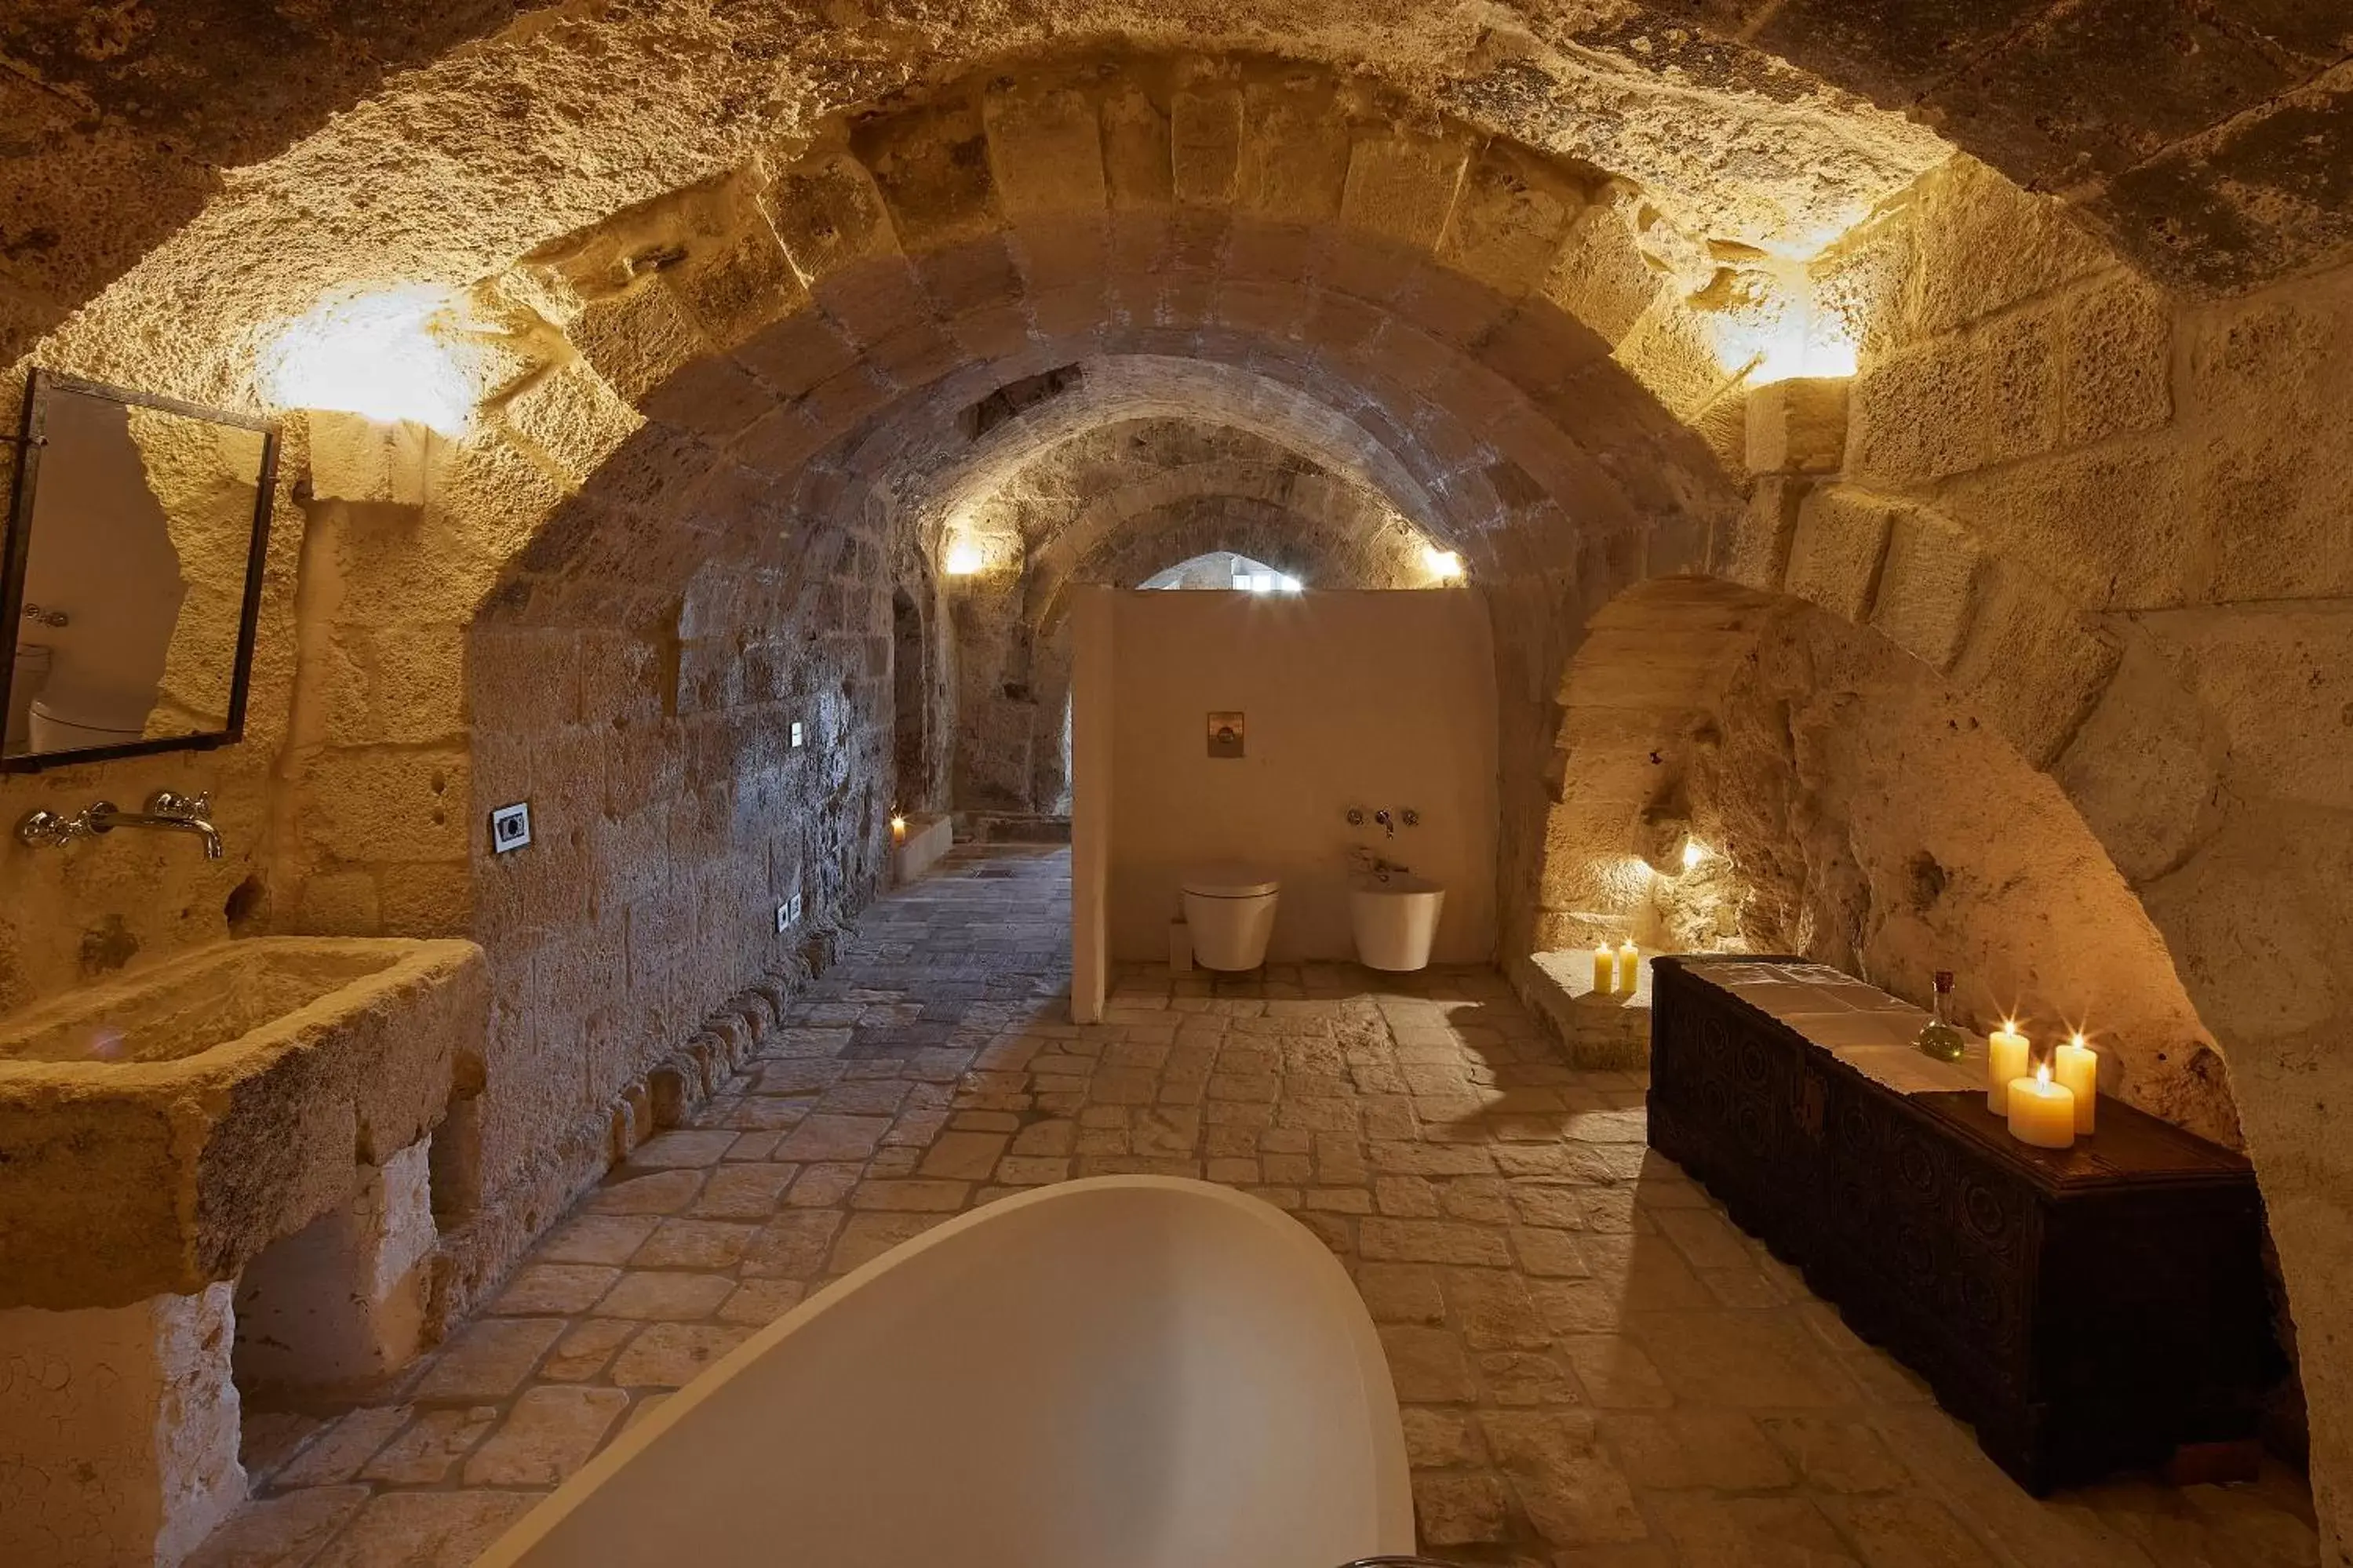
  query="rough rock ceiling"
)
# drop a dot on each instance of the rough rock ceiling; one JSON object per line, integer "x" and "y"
{"x": 289, "y": 145}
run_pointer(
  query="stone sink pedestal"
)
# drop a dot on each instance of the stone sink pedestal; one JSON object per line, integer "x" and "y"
{"x": 239, "y": 1131}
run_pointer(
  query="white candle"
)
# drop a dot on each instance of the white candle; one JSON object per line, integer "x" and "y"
{"x": 2008, "y": 1053}
{"x": 1630, "y": 969}
{"x": 2041, "y": 1113}
{"x": 2077, "y": 1066}
{"x": 1605, "y": 970}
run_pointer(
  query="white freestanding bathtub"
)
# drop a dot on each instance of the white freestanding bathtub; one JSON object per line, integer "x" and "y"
{"x": 1128, "y": 1371}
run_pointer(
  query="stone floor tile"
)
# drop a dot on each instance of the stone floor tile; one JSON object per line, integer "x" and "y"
{"x": 941, "y": 1197}
{"x": 1746, "y": 1361}
{"x": 267, "y": 1438}
{"x": 1458, "y": 1510}
{"x": 667, "y": 1355}
{"x": 1614, "y": 1372}
{"x": 964, "y": 1156}
{"x": 1432, "y": 1241}
{"x": 759, "y": 1302}
{"x": 597, "y": 1239}
{"x": 746, "y": 1192}
{"x": 400, "y": 1530}
{"x": 1441, "y": 1439}
{"x": 1681, "y": 1450}
{"x": 1905, "y": 1532}
{"x": 1491, "y": 1309}
{"x": 584, "y": 1349}
{"x": 664, "y": 1192}
{"x": 487, "y": 1360}
{"x": 429, "y": 1449}
{"x": 342, "y": 1446}
{"x": 1572, "y": 1492}
{"x": 825, "y": 1137}
{"x": 665, "y": 1294}
{"x": 1835, "y": 1453}
{"x": 548, "y": 1434}
{"x": 824, "y": 1184}
{"x": 867, "y": 1236}
{"x": 1427, "y": 1364}
{"x": 1710, "y": 1530}
{"x": 683, "y": 1148}
{"x": 539, "y": 1288}
{"x": 694, "y": 1244}
{"x": 282, "y": 1531}
{"x": 792, "y": 1244}
{"x": 1526, "y": 1377}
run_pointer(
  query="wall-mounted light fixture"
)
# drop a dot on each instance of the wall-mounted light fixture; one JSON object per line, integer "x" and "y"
{"x": 385, "y": 355}
{"x": 1445, "y": 565}
{"x": 964, "y": 557}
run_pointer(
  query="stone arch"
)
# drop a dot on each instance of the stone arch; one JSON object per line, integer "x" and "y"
{"x": 438, "y": 112}
{"x": 706, "y": 421}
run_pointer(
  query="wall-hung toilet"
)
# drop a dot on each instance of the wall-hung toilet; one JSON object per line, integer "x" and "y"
{"x": 1395, "y": 918}
{"x": 1231, "y": 912}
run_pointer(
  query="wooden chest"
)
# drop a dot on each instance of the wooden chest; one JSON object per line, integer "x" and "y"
{"x": 2086, "y": 1310}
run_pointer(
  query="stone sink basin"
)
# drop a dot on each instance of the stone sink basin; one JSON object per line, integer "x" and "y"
{"x": 159, "y": 1129}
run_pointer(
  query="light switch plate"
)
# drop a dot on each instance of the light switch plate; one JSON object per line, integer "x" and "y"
{"x": 1226, "y": 735}
{"x": 797, "y": 734}
{"x": 509, "y": 827}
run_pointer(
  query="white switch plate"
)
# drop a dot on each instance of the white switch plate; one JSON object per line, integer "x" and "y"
{"x": 797, "y": 734}
{"x": 789, "y": 914}
{"x": 511, "y": 828}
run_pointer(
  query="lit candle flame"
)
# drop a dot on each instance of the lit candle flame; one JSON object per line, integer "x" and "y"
{"x": 2043, "y": 1075}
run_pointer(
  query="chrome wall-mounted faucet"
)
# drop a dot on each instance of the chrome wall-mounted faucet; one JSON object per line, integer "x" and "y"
{"x": 46, "y": 617}
{"x": 167, "y": 811}
{"x": 1391, "y": 821}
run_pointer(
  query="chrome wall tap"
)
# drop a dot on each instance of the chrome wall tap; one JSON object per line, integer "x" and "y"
{"x": 169, "y": 812}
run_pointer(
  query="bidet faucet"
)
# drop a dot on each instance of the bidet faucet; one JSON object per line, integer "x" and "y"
{"x": 165, "y": 810}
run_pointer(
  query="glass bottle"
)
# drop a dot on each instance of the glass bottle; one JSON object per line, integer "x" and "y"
{"x": 1937, "y": 1037}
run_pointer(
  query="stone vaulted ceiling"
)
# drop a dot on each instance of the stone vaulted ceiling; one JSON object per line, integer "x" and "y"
{"x": 289, "y": 145}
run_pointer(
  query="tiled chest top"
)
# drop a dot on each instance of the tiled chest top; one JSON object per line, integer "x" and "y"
{"x": 2086, "y": 1310}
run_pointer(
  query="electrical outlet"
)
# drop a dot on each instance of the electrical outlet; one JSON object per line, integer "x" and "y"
{"x": 509, "y": 827}
{"x": 784, "y": 917}
{"x": 795, "y": 905}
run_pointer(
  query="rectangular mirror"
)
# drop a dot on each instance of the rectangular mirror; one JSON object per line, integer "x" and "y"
{"x": 133, "y": 574}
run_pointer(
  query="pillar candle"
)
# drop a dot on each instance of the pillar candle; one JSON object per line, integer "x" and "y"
{"x": 2041, "y": 1113}
{"x": 1630, "y": 969}
{"x": 1605, "y": 970}
{"x": 2077, "y": 1066}
{"x": 2007, "y": 1055}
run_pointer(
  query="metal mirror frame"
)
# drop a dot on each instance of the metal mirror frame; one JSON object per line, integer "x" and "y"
{"x": 30, "y": 440}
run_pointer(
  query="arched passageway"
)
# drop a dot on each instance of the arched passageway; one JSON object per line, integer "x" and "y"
{"x": 800, "y": 393}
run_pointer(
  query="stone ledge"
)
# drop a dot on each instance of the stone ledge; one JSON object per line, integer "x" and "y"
{"x": 1594, "y": 1031}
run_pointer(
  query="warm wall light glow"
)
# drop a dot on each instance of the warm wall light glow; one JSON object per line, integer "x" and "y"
{"x": 1694, "y": 852}
{"x": 383, "y": 355}
{"x": 1818, "y": 348}
{"x": 964, "y": 558}
{"x": 1443, "y": 565}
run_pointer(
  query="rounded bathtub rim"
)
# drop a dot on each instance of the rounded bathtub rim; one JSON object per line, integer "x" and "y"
{"x": 1392, "y": 1484}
